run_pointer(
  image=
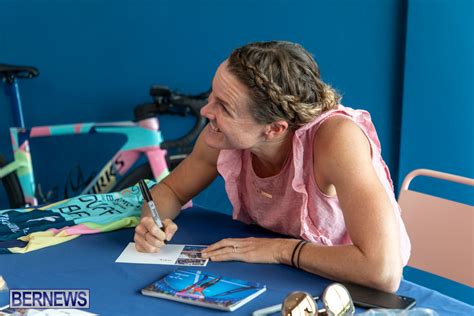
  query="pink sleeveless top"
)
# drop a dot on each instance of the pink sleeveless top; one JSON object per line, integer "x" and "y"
{"x": 290, "y": 202}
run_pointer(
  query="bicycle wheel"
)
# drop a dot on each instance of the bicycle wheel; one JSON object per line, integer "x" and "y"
{"x": 141, "y": 172}
{"x": 15, "y": 196}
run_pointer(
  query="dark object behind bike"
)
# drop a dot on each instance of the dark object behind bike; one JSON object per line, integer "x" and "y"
{"x": 168, "y": 102}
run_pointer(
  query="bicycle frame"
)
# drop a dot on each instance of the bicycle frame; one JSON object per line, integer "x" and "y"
{"x": 143, "y": 137}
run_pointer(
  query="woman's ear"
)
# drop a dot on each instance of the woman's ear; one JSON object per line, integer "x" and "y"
{"x": 276, "y": 129}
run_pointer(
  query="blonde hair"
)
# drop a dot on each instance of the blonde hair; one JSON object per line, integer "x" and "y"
{"x": 284, "y": 82}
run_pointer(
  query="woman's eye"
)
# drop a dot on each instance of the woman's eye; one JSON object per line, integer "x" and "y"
{"x": 222, "y": 106}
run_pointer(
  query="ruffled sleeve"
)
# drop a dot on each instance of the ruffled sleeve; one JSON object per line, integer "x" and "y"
{"x": 229, "y": 165}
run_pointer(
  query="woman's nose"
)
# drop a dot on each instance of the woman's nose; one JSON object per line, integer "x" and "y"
{"x": 206, "y": 110}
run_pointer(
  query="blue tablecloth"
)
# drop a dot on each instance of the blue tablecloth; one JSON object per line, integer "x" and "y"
{"x": 89, "y": 262}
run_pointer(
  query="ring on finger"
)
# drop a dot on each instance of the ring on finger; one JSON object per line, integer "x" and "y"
{"x": 234, "y": 248}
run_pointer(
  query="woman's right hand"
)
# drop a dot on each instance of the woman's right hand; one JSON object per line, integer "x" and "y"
{"x": 149, "y": 237}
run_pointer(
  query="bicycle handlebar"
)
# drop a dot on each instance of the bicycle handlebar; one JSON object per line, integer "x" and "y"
{"x": 194, "y": 106}
{"x": 172, "y": 103}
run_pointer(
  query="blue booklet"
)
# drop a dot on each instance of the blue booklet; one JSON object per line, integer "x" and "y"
{"x": 204, "y": 289}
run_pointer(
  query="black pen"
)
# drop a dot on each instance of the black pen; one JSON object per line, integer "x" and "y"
{"x": 148, "y": 199}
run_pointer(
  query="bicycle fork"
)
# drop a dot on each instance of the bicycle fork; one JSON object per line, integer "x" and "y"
{"x": 22, "y": 165}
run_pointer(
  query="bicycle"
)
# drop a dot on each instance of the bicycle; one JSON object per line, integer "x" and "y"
{"x": 143, "y": 138}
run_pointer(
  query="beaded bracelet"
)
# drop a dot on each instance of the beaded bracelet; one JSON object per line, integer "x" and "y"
{"x": 294, "y": 252}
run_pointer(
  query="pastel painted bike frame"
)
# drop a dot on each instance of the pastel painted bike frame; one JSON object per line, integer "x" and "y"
{"x": 142, "y": 137}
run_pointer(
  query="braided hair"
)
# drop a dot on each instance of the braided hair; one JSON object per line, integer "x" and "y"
{"x": 284, "y": 82}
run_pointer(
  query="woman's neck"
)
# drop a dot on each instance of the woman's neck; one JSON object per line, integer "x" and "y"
{"x": 269, "y": 159}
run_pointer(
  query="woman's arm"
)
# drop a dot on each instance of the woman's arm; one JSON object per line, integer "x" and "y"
{"x": 343, "y": 166}
{"x": 191, "y": 176}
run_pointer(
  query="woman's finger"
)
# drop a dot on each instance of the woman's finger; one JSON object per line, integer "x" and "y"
{"x": 222, "y": 254}
{"x": 153, "y": 241}
{"x": 143, "y": 246}
{"x": 152, "y": 228}
{"x": 170, "y": 228}
{"x": 228, "y": 242}
{"x": 140, "y": 229}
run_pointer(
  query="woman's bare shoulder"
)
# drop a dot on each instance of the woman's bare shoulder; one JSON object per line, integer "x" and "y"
{"x": 339, "y": 143}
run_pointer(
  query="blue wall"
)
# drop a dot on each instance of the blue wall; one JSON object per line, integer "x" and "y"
{"x": 98, "y": 58}
{"x": 438, "y": 108}
{"x": 438, "y": 103}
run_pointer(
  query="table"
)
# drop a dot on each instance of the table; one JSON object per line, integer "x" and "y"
{"x": 89, "y": 262}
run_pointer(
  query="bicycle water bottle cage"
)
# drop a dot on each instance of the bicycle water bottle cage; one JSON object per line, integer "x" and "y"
{"x": 11, "y": 72}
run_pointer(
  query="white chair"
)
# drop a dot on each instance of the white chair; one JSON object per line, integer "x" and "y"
{"x": 440, "y": 230}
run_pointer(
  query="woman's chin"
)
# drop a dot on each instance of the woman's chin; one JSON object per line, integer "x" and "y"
{"x": 213, "y": 140}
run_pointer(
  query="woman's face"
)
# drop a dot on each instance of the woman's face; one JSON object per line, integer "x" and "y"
{"x": 231, "y": 125}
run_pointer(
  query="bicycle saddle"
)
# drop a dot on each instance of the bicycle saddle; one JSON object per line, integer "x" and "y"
{"x": 15, "y": 71}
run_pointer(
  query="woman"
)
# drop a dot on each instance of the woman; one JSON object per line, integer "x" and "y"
{"x": 294, "y": 161}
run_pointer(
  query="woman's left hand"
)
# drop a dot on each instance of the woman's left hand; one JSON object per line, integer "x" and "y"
{"x": 255, "y": 250}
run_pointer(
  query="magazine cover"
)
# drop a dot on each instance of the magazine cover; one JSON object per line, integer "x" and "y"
{"x": 204, "y": 289}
